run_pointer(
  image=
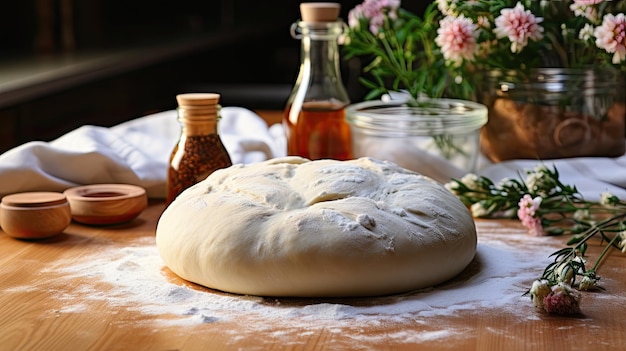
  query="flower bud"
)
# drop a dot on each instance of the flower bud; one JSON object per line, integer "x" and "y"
{"x": 539, "y": 290}
{"x": 562, "y": 300}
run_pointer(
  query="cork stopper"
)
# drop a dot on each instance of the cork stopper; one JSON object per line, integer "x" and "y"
{"x": 319, "y": 11}
{"x": 198, "y": 106}
{"x": 197, "y": 99}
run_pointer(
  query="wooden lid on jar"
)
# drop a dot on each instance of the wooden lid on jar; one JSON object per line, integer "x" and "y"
{"x": 34, "y": 199}
{"x": 198, "y": 106}
{"x": 319, "y": 11}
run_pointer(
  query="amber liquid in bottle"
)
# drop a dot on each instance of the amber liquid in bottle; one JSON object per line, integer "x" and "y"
{"x": 320, "y": 131}
{"x": 314, "y": 119}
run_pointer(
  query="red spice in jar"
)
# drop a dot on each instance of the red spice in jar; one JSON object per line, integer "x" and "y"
{"x": 200, "y": 150}
{"x": 201, "y": 156}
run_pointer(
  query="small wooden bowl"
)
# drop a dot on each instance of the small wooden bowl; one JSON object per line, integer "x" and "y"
{"x": 106, "y": 203}
{"x": 34, "y": 215}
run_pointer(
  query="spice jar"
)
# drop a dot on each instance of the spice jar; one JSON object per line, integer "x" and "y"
{"x": 314, "y": 118}
{"x": 200, "y": 150}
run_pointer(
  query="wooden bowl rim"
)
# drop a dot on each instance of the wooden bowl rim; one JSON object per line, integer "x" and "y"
{"x": 104, "y": 192}
{"x": 34, "y": 199}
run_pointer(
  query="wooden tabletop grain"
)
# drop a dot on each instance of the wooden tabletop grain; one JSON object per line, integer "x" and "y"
{"x": 43, "y": 307}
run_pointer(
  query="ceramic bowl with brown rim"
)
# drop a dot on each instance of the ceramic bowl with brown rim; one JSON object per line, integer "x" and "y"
{"x": 102, "y": 204}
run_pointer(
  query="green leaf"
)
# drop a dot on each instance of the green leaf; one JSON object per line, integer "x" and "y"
{"x": 583, "y": 249}
{"x": 575, "y": 240}
{"x": 374, "y": 94}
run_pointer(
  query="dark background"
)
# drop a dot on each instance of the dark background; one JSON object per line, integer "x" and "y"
{"x": 239, "y": 48}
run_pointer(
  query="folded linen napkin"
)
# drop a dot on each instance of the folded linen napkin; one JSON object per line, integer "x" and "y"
{"x": 591, "y": 175}
{"x": 137, "y": 152}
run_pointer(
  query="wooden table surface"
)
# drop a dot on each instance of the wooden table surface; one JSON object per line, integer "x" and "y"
{"x": 59, "y": 294}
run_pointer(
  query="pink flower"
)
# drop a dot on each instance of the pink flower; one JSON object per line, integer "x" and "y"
{"x": 534, "y": 226}
{"x": 587, "y": 2}
{"x": 457, "y": 39}
{"x": 374, "y": 11}
{"x": 585, "y": 8}
{"x": 611, "y": 36}
{"x": 562, "y": 300}
{"x": 586, "y": 11}
{"x": 526, "y": 213}
{"x": 519, "y": 25}
{"x": 354, "y": 15}
{"x": 528, "y": 206}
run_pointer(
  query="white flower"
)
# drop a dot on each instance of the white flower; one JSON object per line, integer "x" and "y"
{"x": 478, "y": 210}
{"x": 534, "y": 181}
{"x": 587, "y": 283}
{"x": 506, "y": 182}
{"x": 564, "y": 29}
{"x": 582, "y": 215}
{"x": 607, "y": 199}
{"x": 540, "y": 180}
{"x": 622, "y": 243}
{"x": 586, "y": 32}
{"x": 447, "y": 7}
{"x": 452, "y": 187}
{"x": 565, "y": 272}
{"x": 471, "y": 180}
{"x": 538, "y": 291}
{"x": 483, "y": 22}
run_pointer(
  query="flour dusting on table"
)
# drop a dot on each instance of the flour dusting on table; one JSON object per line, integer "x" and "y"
{"x": 136, "y": 279}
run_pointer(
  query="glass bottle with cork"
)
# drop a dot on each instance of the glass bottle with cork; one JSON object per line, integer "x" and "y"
{"x": 314, "y": 118}
{"x": 200, "y": 150}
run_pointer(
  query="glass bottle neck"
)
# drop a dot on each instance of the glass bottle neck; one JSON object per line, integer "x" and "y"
{"x": 320, "y": 59}
{"x": 196, "y": 122}
{"x": 195, "y": 128}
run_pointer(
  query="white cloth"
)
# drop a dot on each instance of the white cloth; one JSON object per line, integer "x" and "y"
{"x": 137, "y": 152}
{"x": 591, "y": 175}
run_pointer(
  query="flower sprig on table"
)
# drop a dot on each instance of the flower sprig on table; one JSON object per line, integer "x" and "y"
{"x": 546, "y": 206}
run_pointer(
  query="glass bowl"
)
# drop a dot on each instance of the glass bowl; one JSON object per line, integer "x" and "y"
{"x": 438, "y": 138}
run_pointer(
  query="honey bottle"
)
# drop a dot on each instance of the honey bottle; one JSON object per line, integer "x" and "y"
{"x": 199, "y": 151}
{"x": 314, "y": 117}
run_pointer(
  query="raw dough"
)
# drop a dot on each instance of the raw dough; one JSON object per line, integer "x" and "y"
{"x": 294, "y": 227}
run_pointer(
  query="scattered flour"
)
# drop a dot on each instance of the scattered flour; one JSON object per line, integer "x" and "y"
{"x": 136, "y": 279}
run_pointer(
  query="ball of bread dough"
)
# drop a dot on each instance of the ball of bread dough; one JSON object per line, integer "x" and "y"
{"x": 294, "y": 227}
